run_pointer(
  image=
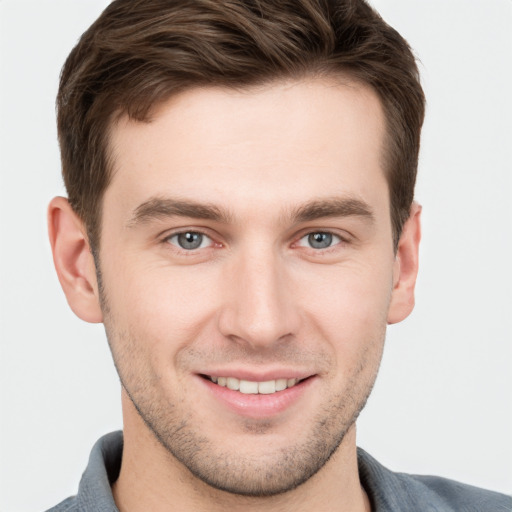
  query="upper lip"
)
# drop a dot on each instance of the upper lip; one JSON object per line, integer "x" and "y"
{"x": 258, "y": 375}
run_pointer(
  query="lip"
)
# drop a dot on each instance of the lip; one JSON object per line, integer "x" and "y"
{"x": 258, "y": 376}
{"x": 258, "y": 406}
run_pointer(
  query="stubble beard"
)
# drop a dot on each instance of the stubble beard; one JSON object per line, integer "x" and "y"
{"x": 269, "y": 474}
{"x": 234, "y": 472}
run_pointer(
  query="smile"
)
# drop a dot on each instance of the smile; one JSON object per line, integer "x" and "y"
{"x": 261, "y": 397}
{"x": 248, "y": 387}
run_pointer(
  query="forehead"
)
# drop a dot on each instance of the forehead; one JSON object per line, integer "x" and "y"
{"x": 276, "y": 144}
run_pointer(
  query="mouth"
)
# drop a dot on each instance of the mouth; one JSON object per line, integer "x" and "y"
{"x": 258, "y": 399}
{"x": 248, "y": 387}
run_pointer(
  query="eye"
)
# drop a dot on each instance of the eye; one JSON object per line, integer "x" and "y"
{"x": 190, "y": 240}
{"x": 319, "y": 240}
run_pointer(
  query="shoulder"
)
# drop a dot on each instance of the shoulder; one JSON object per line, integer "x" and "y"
{"x": 68, "y": 505}
{"x": 444, "y": 494}
{"x": 389, "y": 491}
{"x": 94, "y": 491}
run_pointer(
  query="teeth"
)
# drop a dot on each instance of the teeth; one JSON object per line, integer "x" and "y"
{"x": 267, "y": 388}
{"x": 281, "y": 384}
{"x": 233, "y": 383}
{"x": 248, "y": 388}
{"x": 253, "y": 388}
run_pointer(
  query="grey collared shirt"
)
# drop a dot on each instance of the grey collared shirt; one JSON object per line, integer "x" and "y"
{"x": 388, "y": 491}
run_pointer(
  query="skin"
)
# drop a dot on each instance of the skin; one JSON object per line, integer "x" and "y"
{"x": 256, "y": 298}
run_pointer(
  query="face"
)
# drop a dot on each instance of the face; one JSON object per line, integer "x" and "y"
{"x": 247, "y": 271}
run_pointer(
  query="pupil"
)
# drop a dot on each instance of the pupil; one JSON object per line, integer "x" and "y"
{"x": 320, "y": 240}
{"x": 190, "y": 240}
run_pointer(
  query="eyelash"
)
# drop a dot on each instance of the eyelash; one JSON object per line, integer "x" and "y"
{"x": 168, "y": 238}
{"x": 336, "y": 239}
{"x": 333, "y": 238}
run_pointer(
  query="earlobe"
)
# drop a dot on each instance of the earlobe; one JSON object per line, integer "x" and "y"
{"x": 406, "y": 268}
{"x": 73, "y": 260}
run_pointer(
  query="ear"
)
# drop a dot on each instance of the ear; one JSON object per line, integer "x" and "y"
{"x": 73, "y": 260}
{"x": 405, "y": 268}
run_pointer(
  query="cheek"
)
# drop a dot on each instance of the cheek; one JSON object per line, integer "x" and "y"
{"x": 165, "y": 308}
{"x": 348, "y": 304}
{"x": 160, "y": 306}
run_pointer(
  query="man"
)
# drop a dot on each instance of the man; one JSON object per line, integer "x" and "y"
{"x": 241, "y": 218}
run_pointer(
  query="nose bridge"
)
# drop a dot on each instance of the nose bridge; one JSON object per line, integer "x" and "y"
{"x": 259, "y": 308}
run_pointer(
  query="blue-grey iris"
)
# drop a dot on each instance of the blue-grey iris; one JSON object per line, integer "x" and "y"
{"x": 320, "y": 240}
{"x": 190, "y": 240}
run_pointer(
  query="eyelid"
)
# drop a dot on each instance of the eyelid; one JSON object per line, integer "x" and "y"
{"x": 343, "y": 236}
{"x": 176, "y": 235}
{"x": 167, "y": 235}
{"x": 307, "y": 235}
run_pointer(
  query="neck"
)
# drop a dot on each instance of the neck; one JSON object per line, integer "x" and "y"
{"x": 152, "y": 479}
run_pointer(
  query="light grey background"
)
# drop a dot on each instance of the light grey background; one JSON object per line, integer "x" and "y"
{"x": 442, "y": 403}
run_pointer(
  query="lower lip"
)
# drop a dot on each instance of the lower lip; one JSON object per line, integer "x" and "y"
{"x": 258, "y": 406}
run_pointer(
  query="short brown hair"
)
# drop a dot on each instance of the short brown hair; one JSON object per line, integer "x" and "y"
{"x": 140, "y": 52}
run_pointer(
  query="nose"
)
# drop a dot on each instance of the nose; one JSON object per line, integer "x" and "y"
{"x": 259, "y": 308}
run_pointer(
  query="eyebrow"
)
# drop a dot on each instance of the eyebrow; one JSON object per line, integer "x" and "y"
{"x": 158, "y": 208}
{"x": 333, "y": 207}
